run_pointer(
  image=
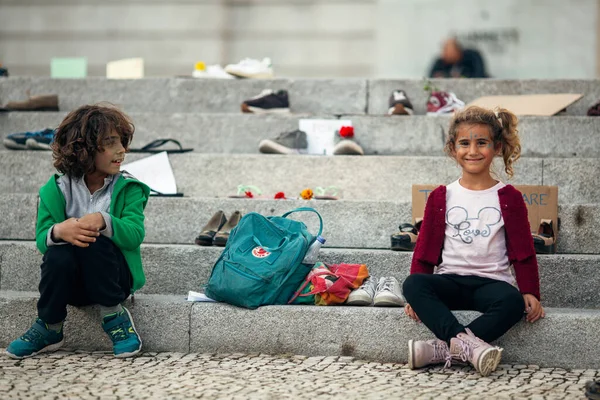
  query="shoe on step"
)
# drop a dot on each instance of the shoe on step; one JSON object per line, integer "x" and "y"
{"x": 20, "y": 141}
{"x": 38, "y": 339}
{"x": 222, "y": 235}
{"x": 467, "y": 347}
{"x": 208, "y": 232}
{"x": 363, "y": 295}
{"x": 293, "y": 142}
{"x": 406, "y": 238}
{"x": 33, "y": 103}
{"x": 268, "y": 102}
{"x": 388, "y": 293}
{"x": 422, "y": 353}
{"x": 120, "y": 329}
{"x": 543, "y": 240}
{"x": 399, "y": 104}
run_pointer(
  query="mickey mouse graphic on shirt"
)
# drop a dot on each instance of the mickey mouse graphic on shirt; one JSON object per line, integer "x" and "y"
{"x": 469, "y": 228}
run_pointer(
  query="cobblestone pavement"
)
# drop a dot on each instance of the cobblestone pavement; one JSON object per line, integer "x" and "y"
{"x": 84, "y": 375}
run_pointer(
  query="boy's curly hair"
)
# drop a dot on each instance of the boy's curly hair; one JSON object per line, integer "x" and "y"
{"x": 503, "y": 129}
{"x": 80, "y": 135}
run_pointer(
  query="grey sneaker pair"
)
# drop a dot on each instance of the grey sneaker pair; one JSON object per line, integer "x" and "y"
{"x": 385, "y": 293}
{"x": 295, "y": 142}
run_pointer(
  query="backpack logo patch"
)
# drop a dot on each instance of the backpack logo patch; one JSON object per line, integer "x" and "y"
{"x": 259, "y": 252}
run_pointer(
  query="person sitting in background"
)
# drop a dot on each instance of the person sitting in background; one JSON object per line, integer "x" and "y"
{"x": 456, "y": 62}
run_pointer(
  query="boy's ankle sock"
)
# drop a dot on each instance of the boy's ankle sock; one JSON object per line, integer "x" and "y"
{"x": 105, "y": 311}
{"x": 57, "y": 327}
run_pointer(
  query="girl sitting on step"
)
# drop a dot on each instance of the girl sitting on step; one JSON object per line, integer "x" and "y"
{"x": 472, "y": 231}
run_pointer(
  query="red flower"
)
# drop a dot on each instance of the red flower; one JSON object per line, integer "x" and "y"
{"x": 249, "y": 194}
{"x": 280, "y": 195}
{"x": 347, "y": 132}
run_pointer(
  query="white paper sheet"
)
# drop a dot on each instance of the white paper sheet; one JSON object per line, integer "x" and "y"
{"x": 196, "y": 296}
{"x": 155, "y": 171}
{"x": 320, "y": 134}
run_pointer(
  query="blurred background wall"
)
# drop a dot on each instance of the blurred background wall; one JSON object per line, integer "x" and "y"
{"x": 304, "y": 38}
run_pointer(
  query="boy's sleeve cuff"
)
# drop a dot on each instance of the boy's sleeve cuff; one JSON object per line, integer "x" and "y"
{"x": 108, "y": 231}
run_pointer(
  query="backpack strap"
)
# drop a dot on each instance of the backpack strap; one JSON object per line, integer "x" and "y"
{"x": 309, "y": 209}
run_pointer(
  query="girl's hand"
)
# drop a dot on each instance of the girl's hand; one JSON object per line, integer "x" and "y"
{"x": 411, "y": 313}
{"x": 533, "y": 308}
{"x": 75, "y": 232}
{"x": 95, "y": 220}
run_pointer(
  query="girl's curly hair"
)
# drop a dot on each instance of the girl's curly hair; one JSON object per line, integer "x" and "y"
{"x": 80, "y": 135}
{"x": 503, "y": 129}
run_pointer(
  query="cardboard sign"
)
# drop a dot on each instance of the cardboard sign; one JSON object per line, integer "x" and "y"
{"x": 74, "y": 67}
{"x": 541, "y": 202}
{"x": 129, "y": 68}
{"x": 320, "y": 134}
{"x": 529, "y": 104}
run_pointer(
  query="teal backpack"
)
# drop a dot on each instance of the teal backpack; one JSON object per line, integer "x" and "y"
{"x": 262, "y": 261}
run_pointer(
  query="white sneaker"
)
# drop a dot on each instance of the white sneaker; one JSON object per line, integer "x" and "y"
{"x": 250, "y": 68}
{"x": 388, "y": 293}
{"x": 363, "y": 296}
{"x": 210, "y": 72}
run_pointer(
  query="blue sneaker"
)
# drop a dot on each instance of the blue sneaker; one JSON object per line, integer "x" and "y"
{"x": 119, "y": 327}
{"x": 20, "y": 141}
{"x": 38, "y": 339}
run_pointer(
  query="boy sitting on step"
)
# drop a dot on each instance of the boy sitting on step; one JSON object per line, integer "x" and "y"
{"x": 90, "y": 226}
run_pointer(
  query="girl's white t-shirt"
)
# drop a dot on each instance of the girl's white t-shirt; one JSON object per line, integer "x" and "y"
{"x": 474, "y": 242}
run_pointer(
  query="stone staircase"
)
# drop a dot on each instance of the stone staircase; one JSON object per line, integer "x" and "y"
{"x": 562, "y": 150}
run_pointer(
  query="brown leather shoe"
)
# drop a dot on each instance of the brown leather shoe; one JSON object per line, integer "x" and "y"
{"x": 47, "y": 102}
{"x": 222, "y": 236}
{"x": 215, "y": 223}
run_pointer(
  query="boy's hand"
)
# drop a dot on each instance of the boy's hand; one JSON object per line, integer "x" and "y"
{"x": 533, "y": 308}
{"x": 411, "y": 313}
{"x": 76, "y": 232}
{"x": 95, "y": 220}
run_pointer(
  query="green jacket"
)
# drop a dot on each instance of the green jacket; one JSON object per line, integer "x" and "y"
{"x": 127, "y": 205}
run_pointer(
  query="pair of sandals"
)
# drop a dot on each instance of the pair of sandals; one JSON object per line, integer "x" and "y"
{"x": 543, "y": 240}
{"x": 216, "y": 231}
{"x": 253, "y": 192}
{"x": 406, "y": 238}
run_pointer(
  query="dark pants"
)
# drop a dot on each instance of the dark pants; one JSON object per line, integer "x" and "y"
{"x": 81, "y": 276}
{"x": 433, "y": 296}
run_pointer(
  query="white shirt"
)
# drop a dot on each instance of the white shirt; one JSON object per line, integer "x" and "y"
{"x": 475, "y": 242}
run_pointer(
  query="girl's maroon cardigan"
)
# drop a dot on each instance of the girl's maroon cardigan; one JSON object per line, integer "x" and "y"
{"x": 519, "y": 242}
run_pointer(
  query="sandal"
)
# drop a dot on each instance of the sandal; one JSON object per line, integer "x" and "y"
{"x": 543, "y": 240}
{"x": 246, "y": 192}
{"x": 406, "y": 238}
{"x": 154, "y": 147}
{"x": 328, "y": 193}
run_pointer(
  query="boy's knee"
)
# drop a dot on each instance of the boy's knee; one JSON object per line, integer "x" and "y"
{"x": 59, "y": 256}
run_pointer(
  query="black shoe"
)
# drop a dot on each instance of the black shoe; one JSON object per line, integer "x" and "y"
{"x": 399, "y": 104}
{"x": 3, "y": 71}
{"x": 592, "y": 390}
{"x": 267, "y": 102}
{"x": 406, "y": 238}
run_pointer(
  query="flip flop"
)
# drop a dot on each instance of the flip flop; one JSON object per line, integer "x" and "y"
{"x": 328, "y": 193}
{"x": 154, "y": 147}
{"x": 246, "y": 192}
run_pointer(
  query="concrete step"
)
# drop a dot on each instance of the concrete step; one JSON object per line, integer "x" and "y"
{"x": 471, "y": 89}
{"x": 328, "y": 96}
{"x": 316, "y": 96}
{"x": 347, "y": 224}
{"x": 358, "y": 178}
{"x": 566, "y": 280}
{"x": 169, "y": 323}
{"x": 411, "y": 136}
